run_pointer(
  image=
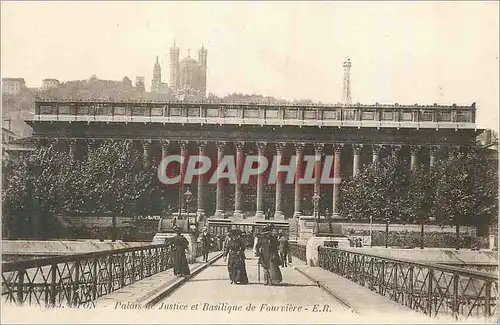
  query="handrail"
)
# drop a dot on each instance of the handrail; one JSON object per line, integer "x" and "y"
{"x": 26, "y": 264}
{"x": 439, "y": 266}
{"x": 433, "y": 289}
{"x": 81, "y": 278}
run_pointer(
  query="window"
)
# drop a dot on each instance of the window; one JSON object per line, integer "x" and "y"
{"x": 406, "y": 116}
{"x": 120, "y": 110}
{"x": 387, "y": 115}
{"x": 444, "y": 116}
{"x": 65, "y": 110}
{"x": 46, "y": 109}
{"x": 291, "y": 114}
{"x": 463, "y": 117}
{"x": 140, "y": 111}
{"x": 349, "y": 114}
{"x": 213, "y": 112}
{"x": 368, "y": 115}
{"x": 252, "y": 113}
{"x": 156, "y": 111}
{"x": 231, "y": 112}
{"x": 103, "y": 110}
{"x": 272, "y": 113}
{"x": 175, "y": 111}
{"x": 83, "y": 110}
{"x": 329, "y": 115}
{"x": 309, "y": 115}
{"x": 194, "y": 111}
{"x": 425, "y": 116}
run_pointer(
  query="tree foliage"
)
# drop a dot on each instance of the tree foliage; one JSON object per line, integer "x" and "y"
{"x": 49, "y": 182}
{"x": 460, "y": 189}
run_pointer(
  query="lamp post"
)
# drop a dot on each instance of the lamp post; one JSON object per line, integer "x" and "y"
{"x": 187, "y": 199}
{"x": 315, "y": 200}
{"x": 371, "y": 231}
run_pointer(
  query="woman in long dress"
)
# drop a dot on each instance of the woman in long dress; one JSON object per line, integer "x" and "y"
{"x": 235, "y": 254}
{"x": 178, "y": 245}
{"x": 267, "y": 250}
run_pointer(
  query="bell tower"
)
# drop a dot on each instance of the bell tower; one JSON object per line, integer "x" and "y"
{"x": 174, "y": 67}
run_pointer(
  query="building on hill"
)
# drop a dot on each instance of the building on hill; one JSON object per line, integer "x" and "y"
{"x": 157, "y": 86}
{"x": 188, "y": 77}
{"x": 50, "y": 83}
{"x": 13, "y": 86}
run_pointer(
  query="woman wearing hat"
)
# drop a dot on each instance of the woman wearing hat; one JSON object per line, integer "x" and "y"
{"x": 267, "y": 250}
{"x": 178, "y": 245}
{"x": 235, "y": 253}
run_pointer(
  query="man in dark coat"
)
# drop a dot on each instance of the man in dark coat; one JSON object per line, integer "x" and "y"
{"x": 178, "y": 245}
{"x": 206, "y": 241}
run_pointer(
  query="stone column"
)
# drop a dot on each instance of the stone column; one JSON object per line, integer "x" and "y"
{"x": 200, "y": 213}
{"x": 72, "y": 148}
{"x": 146, "y": 144}
{"x": 299, "y": 152}
{"x": 278, "y": 213}
{"x": 237, "y": 188}
{"x": 259, "y": 213}
{"x": 219, "y": 205}
{"x": 164, "y": 149}
{"x": 396, "y": 148}
{"x": 182, "y": 172}
{"x": 356, "y": 150}
{"x": 337, "y": 149}
{"x": 376, "y": 148}
{"x": 318, "y": 152}
{"x": 432, "y": 155}
{"x": 414, "y": 157}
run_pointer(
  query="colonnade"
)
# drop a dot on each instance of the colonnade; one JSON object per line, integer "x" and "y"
{"x": 319, "y": 151}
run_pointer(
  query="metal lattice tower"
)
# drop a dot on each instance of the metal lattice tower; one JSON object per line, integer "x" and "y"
{"x": 347, "y": 82}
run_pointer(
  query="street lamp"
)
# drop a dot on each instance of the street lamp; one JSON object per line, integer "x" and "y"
{"x": 371, "y": 231}
{"x": 187, "y": 199}
{"x": 315, "y": 200}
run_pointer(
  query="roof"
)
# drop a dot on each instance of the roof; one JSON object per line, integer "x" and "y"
{"x": 13, "y": 79}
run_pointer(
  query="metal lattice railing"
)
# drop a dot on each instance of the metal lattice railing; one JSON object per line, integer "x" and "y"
{"x": 78, "y": 279}
{"x": 432, "y": 289}
{"x": 297, "y": 250}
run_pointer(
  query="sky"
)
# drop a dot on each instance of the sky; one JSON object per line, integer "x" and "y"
{"x": 401, "y": 52}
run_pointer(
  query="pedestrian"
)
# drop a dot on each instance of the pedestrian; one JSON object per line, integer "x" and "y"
{"x": 283, "y": 248}
{"x": 205, "y": 240}
{"x": 178, "y": 245}
{"x": 267, "y": 250}
{"x": 235, "y": 253}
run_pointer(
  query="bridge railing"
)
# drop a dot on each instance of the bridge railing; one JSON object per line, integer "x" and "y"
{"x": 298, "y": 250}
{"x": 78, "y": 279}
{"x": 432, "y": 289}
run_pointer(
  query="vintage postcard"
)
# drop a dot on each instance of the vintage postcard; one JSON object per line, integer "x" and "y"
{"x": 249, "y": 162}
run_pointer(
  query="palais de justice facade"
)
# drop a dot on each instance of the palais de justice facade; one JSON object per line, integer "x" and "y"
{"x": 354, "y": 134}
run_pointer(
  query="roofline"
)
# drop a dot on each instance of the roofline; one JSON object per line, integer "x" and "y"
{"x": 243, "y": 103}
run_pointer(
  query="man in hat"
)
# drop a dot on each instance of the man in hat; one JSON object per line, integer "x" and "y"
{"x": 178, "y": 245}
{"x": 206, "y": 241}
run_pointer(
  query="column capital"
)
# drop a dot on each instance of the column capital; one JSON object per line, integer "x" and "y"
{"x": 318, "y": 148}
{"x": 356, "y": 148}
{"x": 201, "y": 144}
{"x": 299, "y": 146}
{"x": 414, "y": 149}
{"x": 239, "y": 145}
{"x": 280, "y": 146}
{"x": 221, "y": 145}
{"x": 376, "y": 148}
{"x": 434, "y": 149}
{"x": 261, "y": 145}
{"x": 183, "y": 144}
{"x": 396, "y": 147}
{"x": 337, "y": 148}
{"x": 164, "y": 144}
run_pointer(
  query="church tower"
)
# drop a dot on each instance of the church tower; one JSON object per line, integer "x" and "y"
{"x": 156, "y": 81}
{"x": 174, "y": 68}
{"x": 202, "y": 60}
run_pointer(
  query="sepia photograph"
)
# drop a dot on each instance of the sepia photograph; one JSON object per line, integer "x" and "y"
{"x": 294, "y": 162}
